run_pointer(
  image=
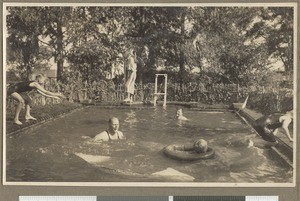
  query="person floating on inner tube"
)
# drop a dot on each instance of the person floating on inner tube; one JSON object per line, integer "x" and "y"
{"x": 199, "y": 146}
{"x": 197, "y": 150}
{"x": 267, "y": 126}
{"x": 179, "y": 115}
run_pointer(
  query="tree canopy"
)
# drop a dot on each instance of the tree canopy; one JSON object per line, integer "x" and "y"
{"x": 228, "y": 44}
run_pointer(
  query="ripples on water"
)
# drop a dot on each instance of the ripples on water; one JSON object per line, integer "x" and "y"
{"x": 48, "y": 152}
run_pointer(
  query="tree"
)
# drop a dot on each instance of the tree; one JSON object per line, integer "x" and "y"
{"x": 99, "y": 39}
{"x": 56, "y": 20}
{"x": 226, "y": 46}
{"x": 232, "y": 44}
{"x": 276, "y": 27}
{"x": 24, "y": 28}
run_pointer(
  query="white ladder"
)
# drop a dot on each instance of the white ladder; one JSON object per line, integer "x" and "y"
{"x": 156, "y": 94}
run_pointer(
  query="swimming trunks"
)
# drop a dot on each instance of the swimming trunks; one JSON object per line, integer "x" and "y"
{"x": 20, "y": 87}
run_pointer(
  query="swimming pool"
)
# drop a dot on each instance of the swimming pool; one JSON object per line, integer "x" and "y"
{"x": 50, "y": 152}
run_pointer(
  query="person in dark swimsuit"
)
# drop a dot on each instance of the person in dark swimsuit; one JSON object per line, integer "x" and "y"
{"x": 267, "y": 126}
{"x": 19, "y": 92}
{"x": 112, "y": 133}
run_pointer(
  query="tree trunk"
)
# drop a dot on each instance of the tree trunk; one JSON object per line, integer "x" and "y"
{"x": 141, "y": 35}
{"x": 26, "y": 60}
{"x": 140, "y": 64}
{"x": 182, "y": 55}
{"x": 60, "y": 60}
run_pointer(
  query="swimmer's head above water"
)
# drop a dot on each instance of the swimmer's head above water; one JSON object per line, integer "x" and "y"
{"x": 200, "y": 146}
{"x": 113, "y": 124}
{"x": 179, "y": 115}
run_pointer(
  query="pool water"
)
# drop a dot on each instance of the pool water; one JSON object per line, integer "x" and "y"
{"x": 49, "y": 153}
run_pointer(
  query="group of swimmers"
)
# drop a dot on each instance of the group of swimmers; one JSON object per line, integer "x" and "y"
{"x": 113, "y": 133}
{"x": 267, "y": 126}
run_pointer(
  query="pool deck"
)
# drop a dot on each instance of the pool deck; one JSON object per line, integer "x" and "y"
{"x": 139, "y": 104}
{"x": 284, "y": 149}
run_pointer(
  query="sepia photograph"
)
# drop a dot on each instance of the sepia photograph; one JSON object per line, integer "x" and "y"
{"x": 191, "y": 95}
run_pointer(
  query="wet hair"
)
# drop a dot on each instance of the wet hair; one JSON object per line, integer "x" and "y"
{"x": 200, "y": 146}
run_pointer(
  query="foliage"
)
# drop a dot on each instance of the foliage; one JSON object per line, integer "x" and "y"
{"x": 91, "y": 38}
{"x": 24, "y": 27}
{"x": 210, "y": 47}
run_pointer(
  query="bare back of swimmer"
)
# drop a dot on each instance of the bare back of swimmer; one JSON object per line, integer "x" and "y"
{"x": 267, "y": 126}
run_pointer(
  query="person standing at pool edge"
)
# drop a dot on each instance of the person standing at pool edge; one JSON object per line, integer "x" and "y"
{"x": 131, "y": 75}
{"x": 19, "y": 93}
{"x": 112, "y": 133}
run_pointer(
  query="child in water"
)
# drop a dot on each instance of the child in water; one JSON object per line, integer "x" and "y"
{"x": 179, "y": 115}
{"x": 199, "y": 146}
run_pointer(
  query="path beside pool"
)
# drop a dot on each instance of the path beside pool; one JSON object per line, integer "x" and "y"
{"x": 42, "y": 113}
{"x": 284, "y": 150}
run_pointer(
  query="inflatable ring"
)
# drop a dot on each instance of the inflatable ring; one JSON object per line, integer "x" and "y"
{"x": 178, "y": 152}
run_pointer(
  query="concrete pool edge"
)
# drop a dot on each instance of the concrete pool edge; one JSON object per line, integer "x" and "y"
{"x": 149, "y": 104}
{"x": 45, "y": 120}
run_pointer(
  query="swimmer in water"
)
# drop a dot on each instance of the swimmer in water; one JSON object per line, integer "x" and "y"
{"x": 249, "y": 141}
{"x": 112, "y": 133}
{"x": 199, "y": 146}
{"x": 131, "y": 117}
{"x": 267, "y": 126}
{"x": 179, "y": 115}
